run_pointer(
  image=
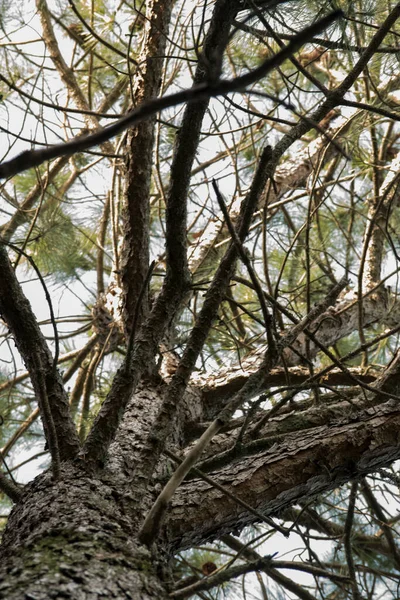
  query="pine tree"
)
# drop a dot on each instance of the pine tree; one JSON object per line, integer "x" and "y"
{"x": 199, "y": 376}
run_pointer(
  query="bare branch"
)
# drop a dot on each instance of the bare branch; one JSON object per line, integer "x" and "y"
{"x": 198, "y": 336}
{"x": 46, "y": 380}
{"x": 135, "y": 214}
{"x": 34, "y": 158}
{"x": 9, "y": 488}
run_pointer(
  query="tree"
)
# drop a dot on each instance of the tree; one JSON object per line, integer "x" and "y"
{"x": 214, "y": 186}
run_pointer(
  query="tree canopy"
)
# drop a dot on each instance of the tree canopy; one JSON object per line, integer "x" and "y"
{"x": 199, "y": 216}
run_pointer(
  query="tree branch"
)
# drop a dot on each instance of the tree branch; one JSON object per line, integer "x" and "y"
{"x": 9, "y": 488}
{"x": 46, "y": 380}
{"x": 135, "y": 213}
{"x": 34, "y": 158}
{"x": 299, "y": 468}
{"x": 197, "y": 338}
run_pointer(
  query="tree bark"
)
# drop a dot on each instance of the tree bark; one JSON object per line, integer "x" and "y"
{"x": 75, "y": 538}
{"x": 300, "y": 466}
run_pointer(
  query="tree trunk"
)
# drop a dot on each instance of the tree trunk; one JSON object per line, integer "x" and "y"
{"x": 260, "y": 367}
{"x": 78, "y": 537}
{"x": 75, "y": 538}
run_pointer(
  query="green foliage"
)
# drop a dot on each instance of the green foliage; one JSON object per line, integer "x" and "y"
{"x": 309, "y": 228}
{"x": 60, "y": 248}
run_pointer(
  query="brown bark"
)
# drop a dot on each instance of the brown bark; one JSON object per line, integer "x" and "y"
{"x": 301, "y": 466}
{"x": 46, "y": 380}
{"x": 77, "y": 536}
{"x": 134, "y": 254}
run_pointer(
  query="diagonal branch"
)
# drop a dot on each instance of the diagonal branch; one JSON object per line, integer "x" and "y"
{"x": 33, "y": 158}
{"x": 108, "y": 418}
{"x": 66, "y": 73}
{"x": 153, "y": 520}
{"x": 9, "y": 488}
{"x": 378, "y": 511}
{"x": 262, "y": 563}
{"x": 246, "y": 261}
{"x": 197, "y": 338}
{"x": 24, "y": 210}
{"x": 188, "y": 138}
{"x": 333, "y": 99}
{"x": 301, "y": 466}
{"x": 17, "y": 313}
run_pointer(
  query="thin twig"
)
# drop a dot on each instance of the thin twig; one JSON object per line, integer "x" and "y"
{"x": 34, "y": 158}
{"x": 347, "y": 541}
{"x": 246, "y": 261}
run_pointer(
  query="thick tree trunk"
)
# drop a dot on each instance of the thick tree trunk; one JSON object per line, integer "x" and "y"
{"x": 75, "y": 538}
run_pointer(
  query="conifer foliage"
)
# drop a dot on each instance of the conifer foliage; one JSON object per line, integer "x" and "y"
{"x": 199, "y": 299}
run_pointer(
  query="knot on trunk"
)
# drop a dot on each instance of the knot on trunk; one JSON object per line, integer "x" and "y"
{"x": 107, "y": 322}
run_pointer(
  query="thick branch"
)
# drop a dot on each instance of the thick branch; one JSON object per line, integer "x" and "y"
{"x": 18, "y": 314}
{"x": 334, "y": 324}
{"x": 9, "y": 488}
{"x": 134, "y": 254}
{"x": 308, "y": 462}
{"x": 302, "y": 466}
{"x": 213, "y": 298}
{"x": 188, "y": 137}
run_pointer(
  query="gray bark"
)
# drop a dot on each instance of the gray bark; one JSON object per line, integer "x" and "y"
{"x": 76, "y": 539}
{"x": 301, "y": 466}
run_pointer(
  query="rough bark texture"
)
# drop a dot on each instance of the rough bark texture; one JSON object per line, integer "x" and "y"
{"x": 300, "y": 467}
{"x": 74, "y": 532}
{"x": 134, "y": 255}
{"x": 15, "y": 308}
{"x": 76, "y": 539}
